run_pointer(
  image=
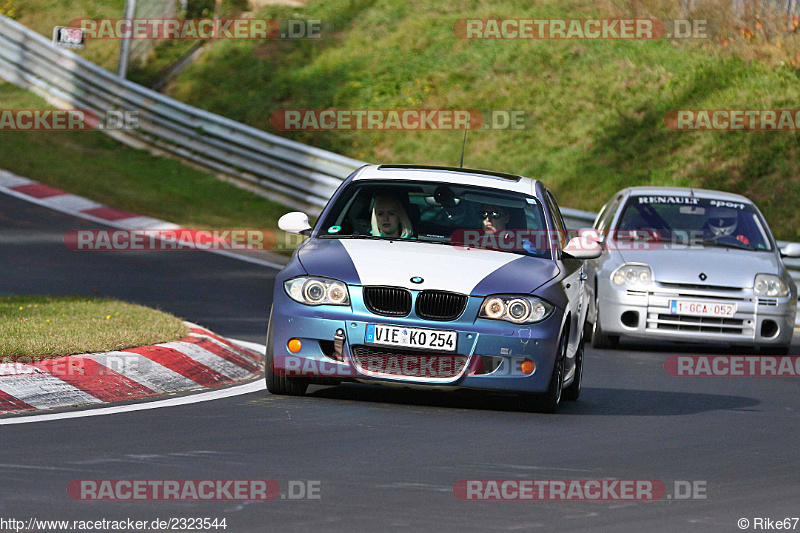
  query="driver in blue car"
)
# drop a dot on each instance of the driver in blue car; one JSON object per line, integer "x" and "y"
{"x": 389, "y": 218}
{"x": 496, "y": 233}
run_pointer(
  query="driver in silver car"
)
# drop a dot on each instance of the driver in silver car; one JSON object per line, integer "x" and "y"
{"x": 722, "y": 222}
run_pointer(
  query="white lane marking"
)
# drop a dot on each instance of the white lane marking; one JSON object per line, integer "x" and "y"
{"x": 144, "y": 371}
{"x": 30, "y": 467}
{"x": 238, "y": 390}
{"x": 44, "y": 391}
{"x": 258, "y": 348}
{"x": 247, "y": 259}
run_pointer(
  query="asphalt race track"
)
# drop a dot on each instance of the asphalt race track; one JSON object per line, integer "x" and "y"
{"x": 388, "y": 457}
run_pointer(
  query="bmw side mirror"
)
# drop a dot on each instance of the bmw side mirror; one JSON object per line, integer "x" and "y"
{"x": 295, "y": 222}
{"x": 583, "y": 247}
{"x": 791, "y": 250}
{"x": 593, "y": 234}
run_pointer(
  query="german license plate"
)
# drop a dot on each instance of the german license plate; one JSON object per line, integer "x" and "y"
{"x": 699, "y": 308}
{"x": 417, "y": 338}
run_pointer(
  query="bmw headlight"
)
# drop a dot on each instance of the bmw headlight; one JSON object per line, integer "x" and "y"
{"x": 632, "y": 276}
{"x": 515, "y": 309}
{"x": 769, "y": 285}
{"x": 317, "y": 291}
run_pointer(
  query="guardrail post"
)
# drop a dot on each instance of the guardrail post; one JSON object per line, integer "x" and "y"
{"x": 125, "y": 44}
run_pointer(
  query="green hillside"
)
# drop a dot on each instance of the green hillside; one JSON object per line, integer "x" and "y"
{"x": 595, "y": 108}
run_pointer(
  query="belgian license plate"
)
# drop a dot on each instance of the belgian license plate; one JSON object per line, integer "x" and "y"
{"x": 428, "y": 339}
{"x": 699, "y": 308}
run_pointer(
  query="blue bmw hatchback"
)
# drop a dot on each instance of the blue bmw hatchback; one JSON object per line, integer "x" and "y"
{"x": 433, "y": 277}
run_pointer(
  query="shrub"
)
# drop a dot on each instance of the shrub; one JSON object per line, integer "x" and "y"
{"x": 9, "y": 8}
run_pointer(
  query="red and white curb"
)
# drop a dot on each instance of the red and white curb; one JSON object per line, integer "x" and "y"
{"x": 71, "y": 204}
{"x": 202, "y": 359}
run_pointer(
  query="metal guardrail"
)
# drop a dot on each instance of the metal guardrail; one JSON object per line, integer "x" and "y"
{"x": 297, "y": 175}
{"x": 577, "y": 218}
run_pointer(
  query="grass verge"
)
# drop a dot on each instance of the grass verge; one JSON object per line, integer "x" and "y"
{"x": 41, "y": 327}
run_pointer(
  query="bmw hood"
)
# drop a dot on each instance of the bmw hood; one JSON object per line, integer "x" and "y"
{"x": 440, "y": 267}
{"x": 725, "y": 267}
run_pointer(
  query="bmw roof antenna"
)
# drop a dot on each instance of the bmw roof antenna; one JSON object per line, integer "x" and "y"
{"x": 464, "y": 144}
{"x": 691, "y": 192}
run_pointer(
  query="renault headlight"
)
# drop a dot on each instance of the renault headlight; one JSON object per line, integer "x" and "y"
{"x": 317, "y": 291}
{"x": 515, "y": 309}
{"x": 769, "y": 285}
{"x": 632, "y": 276}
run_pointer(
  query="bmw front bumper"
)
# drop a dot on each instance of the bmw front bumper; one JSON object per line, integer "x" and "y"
{"x": 506, "y": 345}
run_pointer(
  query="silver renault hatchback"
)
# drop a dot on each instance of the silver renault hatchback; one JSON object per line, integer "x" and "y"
{"x": 689, "y": 265}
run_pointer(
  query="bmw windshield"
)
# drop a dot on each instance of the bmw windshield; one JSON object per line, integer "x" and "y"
{"x": 439, "y": 213}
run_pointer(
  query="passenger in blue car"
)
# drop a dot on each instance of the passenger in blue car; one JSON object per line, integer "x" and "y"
{"x": 389, "y": 218}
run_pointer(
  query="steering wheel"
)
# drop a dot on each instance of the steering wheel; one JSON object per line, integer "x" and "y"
{"x": 731, "y": 239}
